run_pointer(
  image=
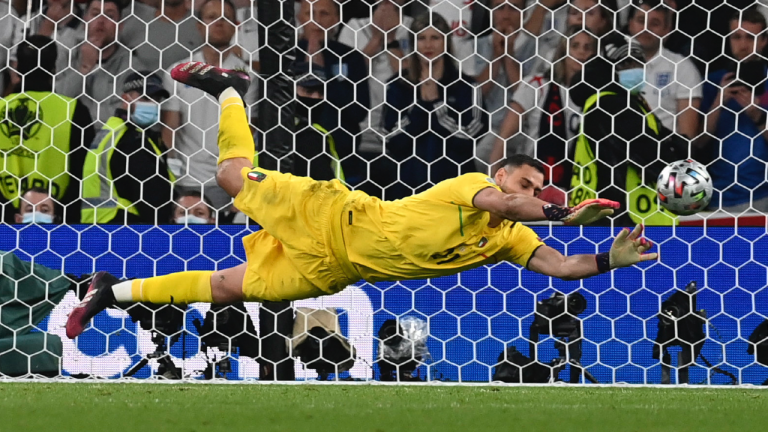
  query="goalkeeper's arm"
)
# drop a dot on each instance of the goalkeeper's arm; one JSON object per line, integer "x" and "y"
{"x": 627, "y": 249}
{"x": 525, "y": 208}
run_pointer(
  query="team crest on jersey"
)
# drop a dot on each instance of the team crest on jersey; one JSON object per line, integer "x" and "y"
{"x": 483, "y": 242}
{"x": 256, "y": 176}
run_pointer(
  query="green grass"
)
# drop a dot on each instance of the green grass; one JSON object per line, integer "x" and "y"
{"x": 150, "y": 408}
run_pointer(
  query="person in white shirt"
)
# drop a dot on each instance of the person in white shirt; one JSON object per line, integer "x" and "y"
{"x": 248, "y": 32}
{"x": 60, "y": 20}
{"x": 673, "y": 85}
{"x": 503, "y": 57}
{"x": 384, "y": 40}
{"x": 543, "y": 120}
{"x": 8, "y": 22}
{"x": 191, "y": 116}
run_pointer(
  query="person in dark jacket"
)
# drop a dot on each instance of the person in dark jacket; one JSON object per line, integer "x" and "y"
{"x": 432, "y": 115}
{"x": 622, "y": 147}
{"x": 126, "y": 179}
{"x": 347, "y": 97}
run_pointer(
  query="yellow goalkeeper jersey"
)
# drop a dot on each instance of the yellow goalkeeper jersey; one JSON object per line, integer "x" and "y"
{"x": 435, "y": 233}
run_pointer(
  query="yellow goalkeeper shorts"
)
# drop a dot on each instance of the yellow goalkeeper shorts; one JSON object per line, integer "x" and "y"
{"x": 299, "y": 253}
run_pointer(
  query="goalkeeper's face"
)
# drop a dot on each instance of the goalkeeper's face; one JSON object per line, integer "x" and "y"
{"x": 524, "y": 179}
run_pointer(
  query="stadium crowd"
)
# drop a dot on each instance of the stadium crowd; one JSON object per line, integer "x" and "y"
{"x": 392, "y": 96}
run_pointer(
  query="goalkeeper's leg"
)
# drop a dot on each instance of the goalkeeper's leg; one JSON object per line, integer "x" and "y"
{"x": 236, "y": 146}
{"x": 218, "y": 287}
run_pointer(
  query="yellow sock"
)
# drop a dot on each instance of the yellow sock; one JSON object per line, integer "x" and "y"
{"x": 177, "y": 288}
{"x": 235, "y": 137}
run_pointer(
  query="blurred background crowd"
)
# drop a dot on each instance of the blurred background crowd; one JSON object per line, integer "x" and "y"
{"x": 392, "y": 96}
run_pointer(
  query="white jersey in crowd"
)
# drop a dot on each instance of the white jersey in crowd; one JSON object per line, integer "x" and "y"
{"x": 196, "y": 140}
{"x": 500, "y": 95}
{"x": 531, "y": 95}
{"x": 8, "y": 22}
{"x": 248, "y": 32}
{"x": 668, "y": 77}
{"x": 458, "y": 14}
{"x": 357, "y": 34}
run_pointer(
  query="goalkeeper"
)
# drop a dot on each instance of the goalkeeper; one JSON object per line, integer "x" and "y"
{"x": 318, "y": 237}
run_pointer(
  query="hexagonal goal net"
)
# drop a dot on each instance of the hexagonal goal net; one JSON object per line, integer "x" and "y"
{"x": 110, "y": 165}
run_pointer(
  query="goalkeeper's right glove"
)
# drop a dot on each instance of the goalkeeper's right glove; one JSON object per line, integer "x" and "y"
{"x": 627, "y": 249}
{"x": 585, "y": 213}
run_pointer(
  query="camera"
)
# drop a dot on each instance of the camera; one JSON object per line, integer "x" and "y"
{"x": 402, "y": 348}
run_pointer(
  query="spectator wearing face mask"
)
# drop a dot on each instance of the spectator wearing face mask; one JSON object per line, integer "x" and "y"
{"x": 192, "y": 209}
{"x": 37, "y": 207}
{"x": 126, "y": 179}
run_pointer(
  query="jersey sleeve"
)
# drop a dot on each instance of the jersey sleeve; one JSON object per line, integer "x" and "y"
{"x": 523, "y": 242}
{"x": 463, "y": 189}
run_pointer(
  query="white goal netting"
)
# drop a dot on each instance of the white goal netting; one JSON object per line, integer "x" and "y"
{"x": 109, "y": 165}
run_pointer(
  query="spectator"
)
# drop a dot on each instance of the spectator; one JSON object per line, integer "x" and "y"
{"x": 738, "y": 139}
{"x": 37, "y": 207}
{"x": 633, "y": 144}
{"x": 192, "y": 208}
{"x": 60, "y": 20}
{"x": 596, "y": 16}
{"x": 550, "y": 118}
{"x": 98, "y": 67}
{"x": 672, "y": 82}
{"x": 747, "y": 39}
{"x": 125, "y": 178}
{"x": 433, "y": 114}
{"x": 248, "y": 32}
{"x": 316, "y": 146}
{"x": 172, "y": 36}
{"x": 191, "y": 117}
{"x": 347, "y": 94}
{"x": 44, "y": 135}
{"x": 502, "y": 59}
{"x": 384, "y": 40}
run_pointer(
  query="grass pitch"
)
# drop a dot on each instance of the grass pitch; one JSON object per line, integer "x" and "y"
{"x": 192, "y": 407}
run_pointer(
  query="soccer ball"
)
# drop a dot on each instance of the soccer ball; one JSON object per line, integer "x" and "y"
{"x": 684, "y": 187}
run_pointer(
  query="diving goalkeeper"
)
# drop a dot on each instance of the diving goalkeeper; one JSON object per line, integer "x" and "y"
{"x": 318, "y": 237}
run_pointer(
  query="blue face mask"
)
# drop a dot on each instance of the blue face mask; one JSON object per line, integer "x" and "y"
{"x": 145, "y": 114}
{"x": 190, "y": 220}
{"x": 38, "y": 218}
{"x": 632, "y": 79}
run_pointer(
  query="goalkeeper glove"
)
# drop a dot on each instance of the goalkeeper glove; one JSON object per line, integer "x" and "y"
{"x": 627, "y": 249}
{"x": 585, "y": 213}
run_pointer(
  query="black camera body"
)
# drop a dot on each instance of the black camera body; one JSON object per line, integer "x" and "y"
{"x": 680, "y": 324}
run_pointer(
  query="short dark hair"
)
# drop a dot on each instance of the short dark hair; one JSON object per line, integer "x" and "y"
{"x": 37, "y": 55}
{"x": 750, "y": 15}
{"x": 36, "y": 189}
{"x": 518, "y": 160}
{"x": 120, "y": 4}
{"x": 196, "y": 194}
{"x": 199, "y": 11}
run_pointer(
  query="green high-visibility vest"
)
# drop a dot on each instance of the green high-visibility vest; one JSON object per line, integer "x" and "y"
{"x": 35, "y": 143}
{"x": 101, "y": 202}
{"x": 643, "y": 204}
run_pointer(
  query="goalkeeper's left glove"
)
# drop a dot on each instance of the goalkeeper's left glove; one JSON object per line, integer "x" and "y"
{"x": 627, "y": 249}
{"x": 585, "y": 213}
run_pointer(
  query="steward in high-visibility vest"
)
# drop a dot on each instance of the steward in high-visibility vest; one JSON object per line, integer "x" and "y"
{"x": 622, "y": 146}
{"x": 317, "y": 155}
{"x": 126, "y": 179}
{"x": 43, "y": 135}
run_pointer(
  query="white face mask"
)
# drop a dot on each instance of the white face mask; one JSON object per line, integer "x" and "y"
{"x": 190, "y": 220}
{"x": 37, "y": 218}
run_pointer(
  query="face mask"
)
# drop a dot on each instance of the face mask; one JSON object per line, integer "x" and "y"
{"x": 190, "y": 220}
{"x": 632, "y": 79}
{"x": 38, "y": 218}
{"x": 145, "y": 113}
